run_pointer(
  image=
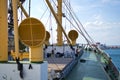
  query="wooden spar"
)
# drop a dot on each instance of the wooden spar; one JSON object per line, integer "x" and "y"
{"x": 22, "y": 8}
{"x": 60, "y": 25}
{"x": 15, "y": 18}
{"x": 59, "y": 30}
{"x": 3, "y": 31}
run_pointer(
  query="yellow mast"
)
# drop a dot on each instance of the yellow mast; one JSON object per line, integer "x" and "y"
{"x": 60, "y": 25}
{"x": 59, "y": 30}
{"x": 3, "y": 31}
{"x": 15, "y": 17}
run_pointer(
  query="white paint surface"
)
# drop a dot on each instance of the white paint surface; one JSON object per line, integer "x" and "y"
{"x": 9, "y": 71}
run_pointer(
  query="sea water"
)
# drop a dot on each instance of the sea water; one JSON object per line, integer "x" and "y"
{"x": 115, "y": 55}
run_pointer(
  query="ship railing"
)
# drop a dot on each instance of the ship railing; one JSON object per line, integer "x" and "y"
{"x": 70, "y": 66}
{"x": 119, "y": 76}
{"x": 111, "y": 69}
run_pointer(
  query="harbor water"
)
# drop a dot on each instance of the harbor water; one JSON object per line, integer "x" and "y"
{"x": 115, "y": 55}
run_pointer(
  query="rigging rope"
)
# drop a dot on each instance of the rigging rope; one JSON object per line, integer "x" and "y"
{"x": 91, "y": 41}
{"x": 80, "y": 30}
{"x": 44, "y": 13}
{"x": 54, "y": 3}
{"x": 75, "y": 22}
{"x": 29, "y": 7}
{"x": 50, "y": 28}
{"x": 82, "y": 26}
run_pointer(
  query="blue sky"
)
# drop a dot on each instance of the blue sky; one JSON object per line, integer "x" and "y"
{"x": 101, "y": 18}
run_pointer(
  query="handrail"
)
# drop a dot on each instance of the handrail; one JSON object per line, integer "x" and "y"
{"x": 110, "y": 68}
{"x": 70, "y": 66}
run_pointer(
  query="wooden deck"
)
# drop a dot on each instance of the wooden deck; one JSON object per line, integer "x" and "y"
{"x": 57, "y": 64}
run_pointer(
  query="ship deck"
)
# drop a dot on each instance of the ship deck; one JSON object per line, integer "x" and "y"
{"x": 88, "y": 68}
{"x": 57, "y": 64}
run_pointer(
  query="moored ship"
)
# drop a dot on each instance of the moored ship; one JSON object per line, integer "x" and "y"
{"x": 78, "y": 61}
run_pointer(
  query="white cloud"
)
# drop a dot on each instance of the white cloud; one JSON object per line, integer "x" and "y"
{"x": 103, "y": 31}
{"x": 100, "y": 25}
{"x": 95, "y": 22}
{"x": 97, "y": 17}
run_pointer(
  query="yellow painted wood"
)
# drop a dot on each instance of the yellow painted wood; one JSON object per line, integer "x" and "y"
{"x": 3, "y": 31}
{"x": 22, "y": 8}
{"x": 59, "y": 30}
{"x": 60, "y": 25}
{"x": 73, "y": 35}
{"x": 47, "y": 38}
{"x": 23, "y": 55}
{"x": 32, "y": 33}
{"x": 15, "y": 18}
{"x": 36, "y": 54}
